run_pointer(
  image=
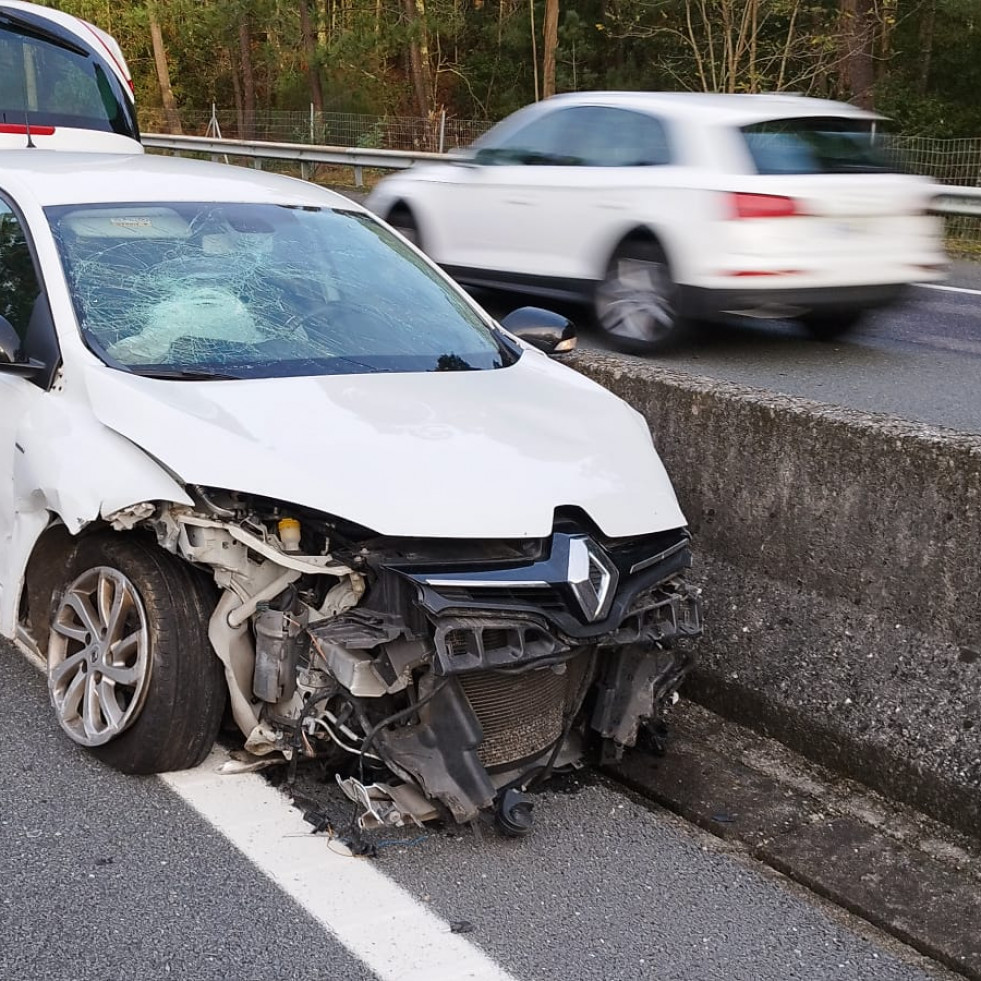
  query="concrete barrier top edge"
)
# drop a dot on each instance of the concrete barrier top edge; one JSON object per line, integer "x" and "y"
{"x": 595, "y": 364}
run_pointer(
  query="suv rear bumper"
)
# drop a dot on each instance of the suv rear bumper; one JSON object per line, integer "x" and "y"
{"x": 697, "y": 301}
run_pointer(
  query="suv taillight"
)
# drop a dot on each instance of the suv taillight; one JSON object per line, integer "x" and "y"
{"x": 743, "y": 205}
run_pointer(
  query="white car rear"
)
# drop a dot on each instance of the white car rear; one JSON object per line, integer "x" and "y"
{"x": 64, "y": 84}
{"x": 661, "y": 208}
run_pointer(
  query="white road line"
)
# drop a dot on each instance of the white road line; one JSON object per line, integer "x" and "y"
{"x": 375, "y": 919}
{"x": 947, "y": 289}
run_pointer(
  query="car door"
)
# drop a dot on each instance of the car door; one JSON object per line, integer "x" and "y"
{"x": 24, "y": 306}
{"x": 613, "y": 171}
{"x": 557, "y": 190}
{"x": 483, "y": 206}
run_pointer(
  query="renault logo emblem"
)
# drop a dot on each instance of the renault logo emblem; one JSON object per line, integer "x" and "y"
{"x": 592, "y": 576}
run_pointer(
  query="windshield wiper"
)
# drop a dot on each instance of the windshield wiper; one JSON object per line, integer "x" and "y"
{"x": 369, "y": 368}
{"x": 185, "y": 374}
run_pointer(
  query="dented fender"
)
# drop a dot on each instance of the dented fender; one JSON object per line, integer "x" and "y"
{"x": 63, "y": 465}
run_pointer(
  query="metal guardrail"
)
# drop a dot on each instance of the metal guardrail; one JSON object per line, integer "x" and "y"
{"x": 302, "y": 153}
{"x": 950, "y": 199}
{"x": 953, "y": 200}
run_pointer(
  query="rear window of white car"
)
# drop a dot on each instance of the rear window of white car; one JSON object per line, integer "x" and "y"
{"x": 49, "y": 79}
{"x": 815, "y": 145}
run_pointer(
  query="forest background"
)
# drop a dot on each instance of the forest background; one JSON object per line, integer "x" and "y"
{"x": 916, "y": 61}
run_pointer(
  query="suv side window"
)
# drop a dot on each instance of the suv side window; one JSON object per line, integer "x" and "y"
{"x": 586, "y": 136}
{"x": 19, "y": 285}
{"x": 541, "y": 141}
{"x": 608, "y": 137}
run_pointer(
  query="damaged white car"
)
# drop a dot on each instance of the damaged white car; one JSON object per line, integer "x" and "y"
{"x": 263, "y": 455}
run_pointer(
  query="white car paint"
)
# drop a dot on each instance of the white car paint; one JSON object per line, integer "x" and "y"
{"x": 487, "y": 454}
{"x": 562, "y": 223}
{"x": 459, "y": 454}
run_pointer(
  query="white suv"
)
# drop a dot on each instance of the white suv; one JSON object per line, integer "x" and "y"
{"x": 665, "y": 207}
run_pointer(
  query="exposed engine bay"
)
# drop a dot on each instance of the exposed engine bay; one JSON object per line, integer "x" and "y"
{"x": 438, "y": 678}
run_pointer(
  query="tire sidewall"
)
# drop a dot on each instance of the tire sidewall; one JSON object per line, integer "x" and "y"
{"x": 184, "y": 698}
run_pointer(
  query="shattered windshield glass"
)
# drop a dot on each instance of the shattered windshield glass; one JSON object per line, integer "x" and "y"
{"x": 261, "y": 290}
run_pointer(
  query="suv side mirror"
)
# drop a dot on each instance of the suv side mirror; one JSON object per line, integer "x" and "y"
{"x": 548, "y": 331}
{"x": 12, "y": 352}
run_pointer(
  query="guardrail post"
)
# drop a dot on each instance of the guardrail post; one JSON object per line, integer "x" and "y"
{"x": 358, "y": 176}
{"x": 257, "y": 163}
{"x": 304, "y": 170}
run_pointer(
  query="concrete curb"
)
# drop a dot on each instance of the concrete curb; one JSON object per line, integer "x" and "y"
{"x": 837, "y": 551}
{"x": 875, "y": 863}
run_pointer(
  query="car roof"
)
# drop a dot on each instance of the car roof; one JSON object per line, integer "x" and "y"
{"x": 715, "y": 107}
{"x": 58, "y": 177}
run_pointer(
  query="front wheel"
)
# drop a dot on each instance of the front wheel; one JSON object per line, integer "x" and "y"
{"x": 636, "y": 304}
{"x": 131, "y": 673}
{"x": 404, "y": 222}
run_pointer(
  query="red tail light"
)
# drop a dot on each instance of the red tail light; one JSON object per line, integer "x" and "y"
{"x": 20, "y": 129}
{"x": 762, "y": 206}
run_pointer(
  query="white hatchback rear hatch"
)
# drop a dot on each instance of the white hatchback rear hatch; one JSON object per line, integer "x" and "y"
{"x": 64, "y": 84}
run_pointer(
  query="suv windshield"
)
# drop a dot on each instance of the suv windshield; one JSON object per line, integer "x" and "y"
{"x": 262, "y": 290}
{"x": 49, "y": 78}
{"x": 815, "y": 145}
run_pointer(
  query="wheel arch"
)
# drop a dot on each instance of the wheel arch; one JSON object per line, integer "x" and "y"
{"x": 635, "y": 233}
{"x": 45, "y": 565}
{"x": 400, "y": 203}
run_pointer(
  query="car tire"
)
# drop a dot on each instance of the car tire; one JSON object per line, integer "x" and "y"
{"x": 131, "y": 672}
{"x": 829, "y": 326}
{"x": 636, "y": 304}
{"x": 404, "y": 222}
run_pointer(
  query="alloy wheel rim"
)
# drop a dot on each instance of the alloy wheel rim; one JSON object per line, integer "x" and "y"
{"x": 635, "y": 301}
{"x": 98, "y": 656}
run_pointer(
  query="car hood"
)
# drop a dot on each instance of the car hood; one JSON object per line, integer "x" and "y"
{"x": 474, "y": 454}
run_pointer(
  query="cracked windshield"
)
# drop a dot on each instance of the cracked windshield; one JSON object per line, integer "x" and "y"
{"x": 261, "y": 290}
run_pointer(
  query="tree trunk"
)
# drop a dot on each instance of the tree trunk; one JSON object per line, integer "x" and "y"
{"x": 418, "y": 54}
{"x": 163, "y": 73}
{"x": 310, "y": 56}
{"x": 858, "y": 50}
{"x": 237, "y": 91}
{"x": 926, "y": 47}
{"x": 551, "y": 43}
{"x": 248, "y": 77}
{"x": 534, "y": 45}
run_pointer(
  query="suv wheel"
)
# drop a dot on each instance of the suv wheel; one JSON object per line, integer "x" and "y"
{"x": 636, "y": 303}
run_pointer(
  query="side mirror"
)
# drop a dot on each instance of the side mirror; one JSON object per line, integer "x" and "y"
{"x": 548, "y": 331}
{"x": 12, "y": 353}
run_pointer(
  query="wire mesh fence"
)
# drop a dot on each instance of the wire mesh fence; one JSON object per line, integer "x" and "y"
{"x": 956, "y": 162}
{"x": 438, "y": 133}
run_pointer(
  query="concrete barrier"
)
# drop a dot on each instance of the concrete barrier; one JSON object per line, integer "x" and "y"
{"x": 839, "y": 556}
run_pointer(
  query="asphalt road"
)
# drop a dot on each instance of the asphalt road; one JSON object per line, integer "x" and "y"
{"x": 919, "y": 360}
{"x": 110, "y": 877}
